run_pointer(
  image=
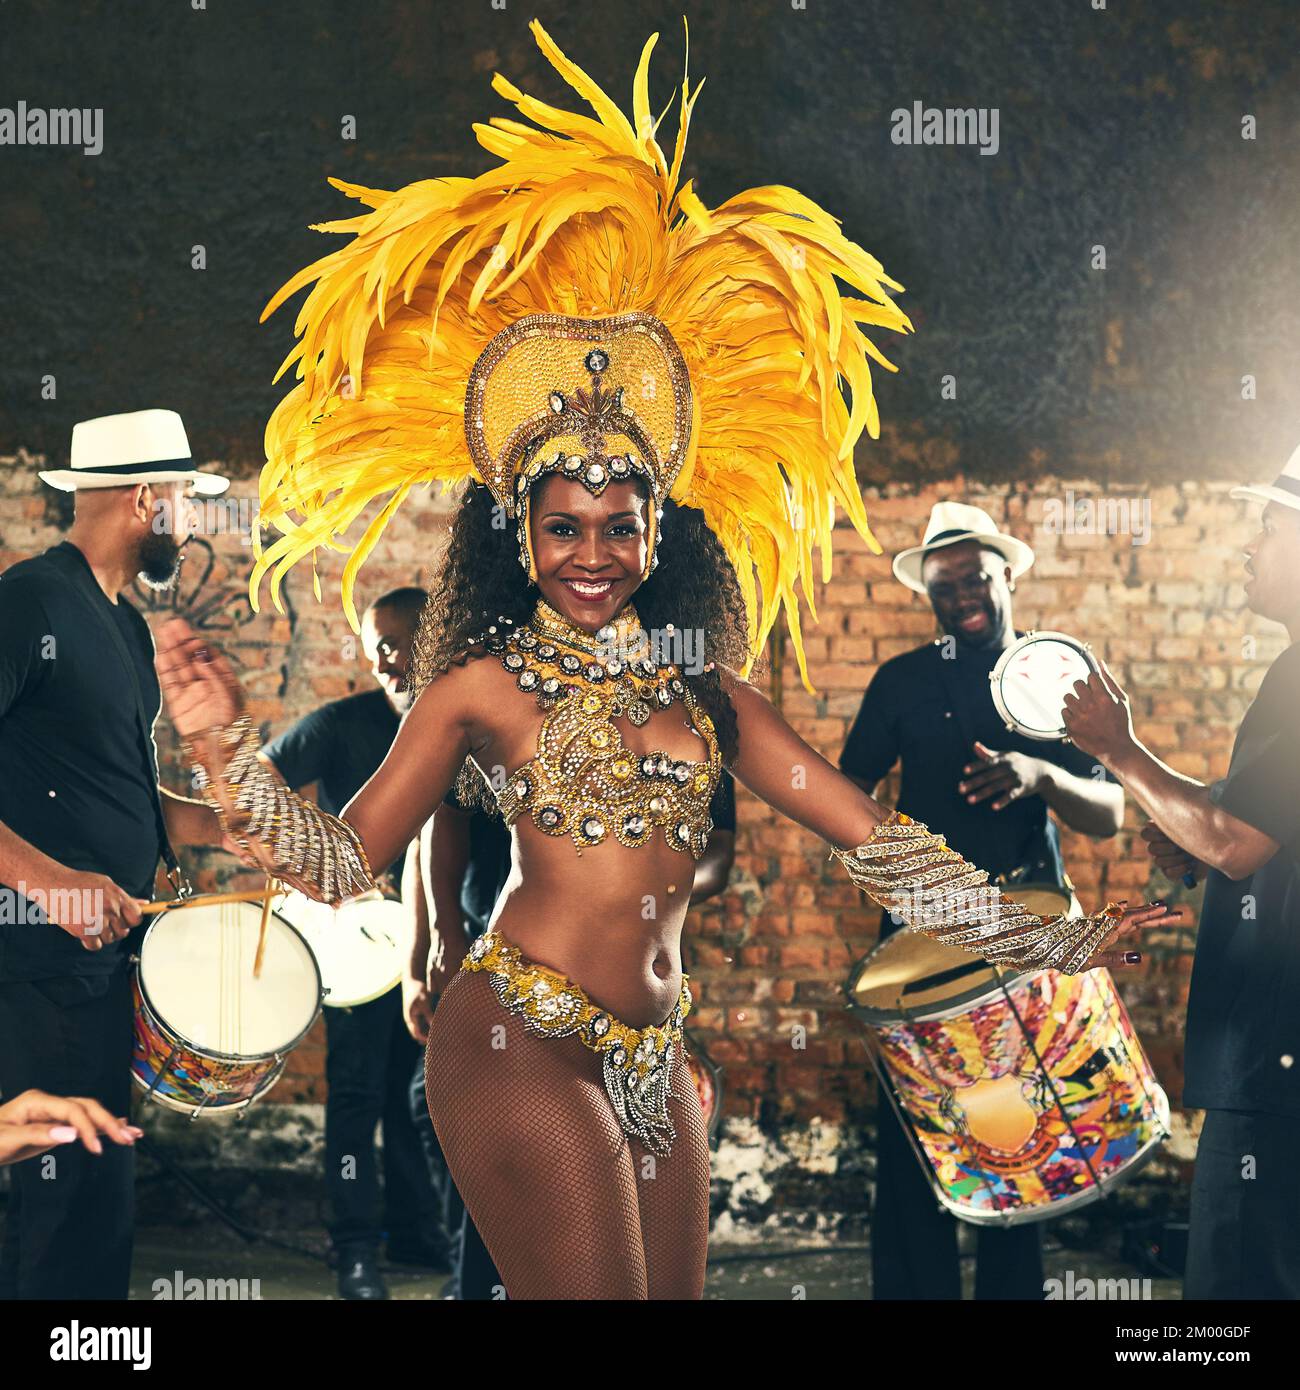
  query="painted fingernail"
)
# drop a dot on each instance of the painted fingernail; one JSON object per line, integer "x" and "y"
{"x": 62, "y": 1134}
{"x": 1132, "y": 957}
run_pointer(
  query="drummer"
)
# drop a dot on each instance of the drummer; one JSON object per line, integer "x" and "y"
{"x": 1242, "y": 836}
{"x": 83, "y": 822}
{"x": 989, "y": 792}
{"x": 369, "y": 1055}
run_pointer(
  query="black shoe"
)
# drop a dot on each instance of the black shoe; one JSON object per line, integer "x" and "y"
{"x": 429, "y": 1253}
{"x": 359, "y": 1276}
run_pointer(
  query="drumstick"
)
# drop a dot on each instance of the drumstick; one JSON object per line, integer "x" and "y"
{"x": 203, "y": 900}
{"x": 261, "y": 935}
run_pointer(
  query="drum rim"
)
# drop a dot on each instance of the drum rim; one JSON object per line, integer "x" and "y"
{"x": 1046, "y": 634}
{"x": 959, "y": 1003}
{"x": 328, "y": 1001}
{"x": 211, "y": 1054}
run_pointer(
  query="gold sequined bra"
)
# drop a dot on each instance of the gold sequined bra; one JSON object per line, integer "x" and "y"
{"x": 583, "y": 782}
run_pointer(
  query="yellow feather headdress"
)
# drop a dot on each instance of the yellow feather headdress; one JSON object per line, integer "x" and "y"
{"x": 584, "y": 218}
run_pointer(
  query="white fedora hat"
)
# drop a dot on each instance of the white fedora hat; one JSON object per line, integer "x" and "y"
{"x": 950, "y": 524}
{"x": 1286, "y": 489}
{"x": 143, "y": 446}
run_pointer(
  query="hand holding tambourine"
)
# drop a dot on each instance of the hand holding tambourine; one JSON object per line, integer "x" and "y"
{"x": 1097, "y": 715}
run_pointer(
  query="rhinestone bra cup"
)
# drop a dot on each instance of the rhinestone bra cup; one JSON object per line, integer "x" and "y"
{"x": 583, "y": 782}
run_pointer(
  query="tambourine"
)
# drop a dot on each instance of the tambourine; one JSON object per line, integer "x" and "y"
{"x": 1033, "y": 677}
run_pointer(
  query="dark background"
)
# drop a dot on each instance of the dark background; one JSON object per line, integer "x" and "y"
{"x": 1119, "y": 126}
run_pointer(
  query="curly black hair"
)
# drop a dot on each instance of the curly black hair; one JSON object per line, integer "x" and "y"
{"x": 480, "y": 579}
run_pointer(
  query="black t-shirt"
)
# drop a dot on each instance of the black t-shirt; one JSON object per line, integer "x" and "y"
{"x": 928, "y": 709}
{"x": 78, "y": 776}
{"x": 339, "y": 746}
{"x": 1243, "y": 1015}
{"x": 489, "y": 852}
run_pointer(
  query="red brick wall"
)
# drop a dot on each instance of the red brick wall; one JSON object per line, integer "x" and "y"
{"x": 776, "y": 950}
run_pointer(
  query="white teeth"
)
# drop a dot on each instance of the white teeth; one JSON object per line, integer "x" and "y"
{"x": 590, "y": 589}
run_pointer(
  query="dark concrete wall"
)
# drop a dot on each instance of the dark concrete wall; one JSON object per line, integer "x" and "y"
{"x": 1119, "y": 127}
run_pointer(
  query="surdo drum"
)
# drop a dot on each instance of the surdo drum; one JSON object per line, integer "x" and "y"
{"x": 1024, "y": 1095}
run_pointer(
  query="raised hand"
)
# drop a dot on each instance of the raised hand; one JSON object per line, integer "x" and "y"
{"x": 1097, "y": 716}
{"x": 198, "y": 683}
{"x": 1120, "y": 947}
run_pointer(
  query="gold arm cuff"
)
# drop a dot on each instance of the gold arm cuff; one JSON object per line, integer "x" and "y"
{"x": 915, "y": 875}
{"x": 304, "y": 842}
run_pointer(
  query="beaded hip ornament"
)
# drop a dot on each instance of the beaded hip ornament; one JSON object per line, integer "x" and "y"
{"x": 636, "y": 1063}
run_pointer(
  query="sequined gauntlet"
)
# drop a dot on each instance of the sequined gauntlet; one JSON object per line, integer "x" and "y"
{"x": 304, "y": 842}
{"x": 916, "y": 876}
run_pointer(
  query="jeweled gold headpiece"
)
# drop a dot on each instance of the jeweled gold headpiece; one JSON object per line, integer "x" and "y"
{"x": 596, "y": 400}
{"x": 733, "y": 317}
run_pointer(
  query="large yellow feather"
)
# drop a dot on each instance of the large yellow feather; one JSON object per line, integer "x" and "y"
{"x": 584, "y": 215}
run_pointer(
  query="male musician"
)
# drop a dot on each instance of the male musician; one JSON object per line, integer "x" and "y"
{"x": 369, "y": 1055}
{"x": 989, "y": 792}
{"x": 1242, "y": 835}
{"x": 82, "y": 824}
{"x": 457, "y": 869}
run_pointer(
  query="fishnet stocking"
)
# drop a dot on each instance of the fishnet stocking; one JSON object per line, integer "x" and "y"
{"x": 567, "y": 1205}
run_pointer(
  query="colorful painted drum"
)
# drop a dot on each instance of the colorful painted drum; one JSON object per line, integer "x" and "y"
{"x": 707, "y": 1076}
{"x": 1025, "y": 1095}
{"x": 209, "y": 1037}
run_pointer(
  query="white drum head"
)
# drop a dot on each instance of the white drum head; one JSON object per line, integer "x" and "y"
{"x": 196, "y": 971}
{"x": 1033, "y": 677}
{"x": 357, "y": 946}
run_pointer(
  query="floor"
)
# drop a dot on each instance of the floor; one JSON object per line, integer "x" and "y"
{"x": 179, "y": 1262}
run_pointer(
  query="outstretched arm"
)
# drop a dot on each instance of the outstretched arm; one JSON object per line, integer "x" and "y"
{"x": 327, "y": 857}
{"x": 906, "y": 869}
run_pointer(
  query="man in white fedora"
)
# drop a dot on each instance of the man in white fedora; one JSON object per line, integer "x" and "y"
{"x": 83, "y": 823}
{"x": 989, "y": 791}
{"x": 1242, "y": 835}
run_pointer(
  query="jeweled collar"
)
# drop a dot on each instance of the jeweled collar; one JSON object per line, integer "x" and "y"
{"x": 623, "y": 634}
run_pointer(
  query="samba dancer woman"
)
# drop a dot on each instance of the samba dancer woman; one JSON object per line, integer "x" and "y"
{"x": 653, "y": 398}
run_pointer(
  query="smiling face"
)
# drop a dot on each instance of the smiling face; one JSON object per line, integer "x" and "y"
{"x": 386, "y": 637}
{"x": 970, "y": 591}
{"x": 590, "y": 551}
{"x": 1273, "y": 566}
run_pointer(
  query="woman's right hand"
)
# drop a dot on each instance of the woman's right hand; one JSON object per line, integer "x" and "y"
{"x": 198, "y": 683}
